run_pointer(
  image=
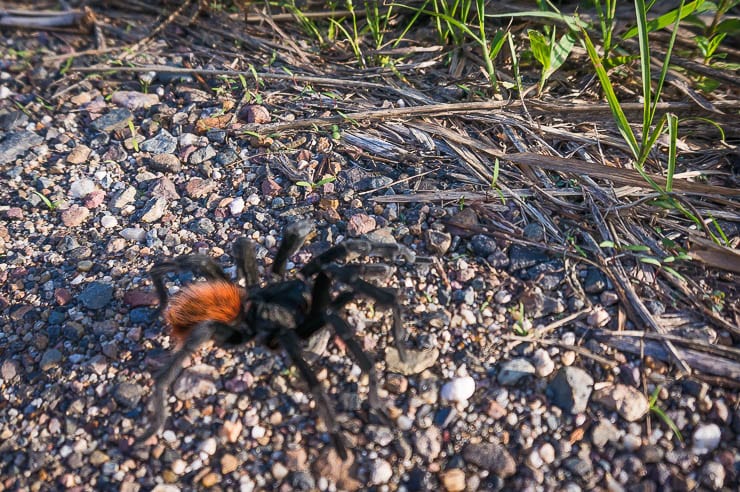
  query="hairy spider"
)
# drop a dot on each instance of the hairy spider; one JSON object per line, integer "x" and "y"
{"x": 279, "y": 314}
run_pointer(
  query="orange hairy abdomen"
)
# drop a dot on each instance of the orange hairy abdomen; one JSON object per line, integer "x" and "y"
{"x": 204, "y": 301}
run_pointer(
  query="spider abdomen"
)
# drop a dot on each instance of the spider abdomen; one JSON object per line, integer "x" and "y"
{"x": 203, "y": 301}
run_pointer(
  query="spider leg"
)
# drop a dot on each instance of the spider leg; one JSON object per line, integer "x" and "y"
{"x": 346, "y": 333}
{"x": 384, "y": 296}
{"x": 353, "y": 248}
{"x": 198, "y": 264}
{"x": 201, "y": 333}
{"x": 293, "y": 238}
{"x": 320, "y": 299}
{"x": 246, "y": 261}
{"x": 291, "y": 343}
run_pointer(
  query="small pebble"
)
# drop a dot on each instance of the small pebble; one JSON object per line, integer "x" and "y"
{"x": 208, "y": 446}
{"x": 706, "y": 438}
{"x": 547, "y": 453}
{"x": 543, "y": 363}
{"x": 279, "y": 471}
{"x": 380, "y": 472}
{"x": 258, "y": 432}
{"x": 236, "y": 206}
{"x": 453, "y": 480}
{"x": 108, "y": 221}
{"x": 458, "y": 389}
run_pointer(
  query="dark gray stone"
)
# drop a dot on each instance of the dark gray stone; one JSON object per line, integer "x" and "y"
{"x": 162, "y": 143}
{"x": 570, "y": 389}
{"x": 97, "y": 295}
{"x": 17, "y": 143}
{"x": 492, "y": 457}
{"x": 115, "y": 120}
{"x": 128, "y": 394}
{"x": 525, "y": 256}
{"x": 483, "y": 245}
{"x": 595, "y": 281}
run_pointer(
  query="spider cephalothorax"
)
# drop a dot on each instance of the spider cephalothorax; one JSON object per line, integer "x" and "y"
{"x": 279, "y": 314}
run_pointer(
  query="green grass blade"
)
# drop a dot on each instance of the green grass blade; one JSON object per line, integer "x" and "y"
{"x": 669, "y": 18}
{"x": 611, "y": 97}
{"x": 664, "y": 69}
{"x": 647, "y": 90}
{"x": 573, "y": 22}
{"x": 673, "y": 137}
{"x": 669, "y": 422}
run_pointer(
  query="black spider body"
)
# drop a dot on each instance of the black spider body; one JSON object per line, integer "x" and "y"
{"x": 279, "y": 314}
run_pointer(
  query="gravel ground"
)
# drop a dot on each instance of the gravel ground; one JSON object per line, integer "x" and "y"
{"x": 88, "y": 208}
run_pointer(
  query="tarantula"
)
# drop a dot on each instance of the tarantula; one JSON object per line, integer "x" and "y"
{"x": 279, "y": 314}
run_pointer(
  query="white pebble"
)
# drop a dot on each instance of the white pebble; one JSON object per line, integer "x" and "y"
{"x": 707, "y": 438}
{"x": 208, "y": 446}
{"x": 279, "y": 471}
{"x": 108, "y": 221}
{"x": 178, "y": 466}
{"x": 236, "y": 206}
{"x": 253, "y": 199}
{"x": 543, "y": 364}
{"x": 169, "y": 436}
{"x": 568, "y": 338}
{"x": 258, "y": 432}
{"x": 547, "y": 453}
{"x": 134, "y": 234}
{"x": 81, "y": 188}
{"x": 404, "y": 422}
{"x": 599, "y": 317}
{"x": 381, "y": 472}
{"x": 458, "y": 389}
{"x": 534, "y": 460}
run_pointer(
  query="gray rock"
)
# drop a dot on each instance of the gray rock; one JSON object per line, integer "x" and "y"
{"x": 437, "y": 242}
{"x": 706, "y": 438}
{"x": 604, "y": 432}
{"x": 492, "y": 457}
{"x": 428, "y": 443}
{"x": 380, "y": 472}
{"x": 134, "y": 234}
{"x": 226, "y": 157}
{"x": 122, "y": 198}
{"x": 570, "y": 389}
{"x": 115, "y": 120}
{"x": 163, "y": 188}
{"x": 12, "y": 119}
{"x": 162, "y": 143}
{"x": 543, "y": 364}
{"x": 514, "y": 370}
{"x": 534, "y": 231}
{"x": 628, "y": 401}
{"x": 9, "y": 370}
{"x": 595, "y": 281}
{"x": 97, "y": 295}
{"x": 202, "y": 155}
{"x": 17, "y": 143}
{"x": 416, "y": 360}
{"x": 525, "y": 256}
{"x": 154, "y": 210}
{"x": 128, "y": 394}
{"x": 713, "y": 475}
{"x": 81, "y": 188}
{"x": 196, "y": 382}
{"x": 482, "y": 245}
{"x": 50, "y": 359}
